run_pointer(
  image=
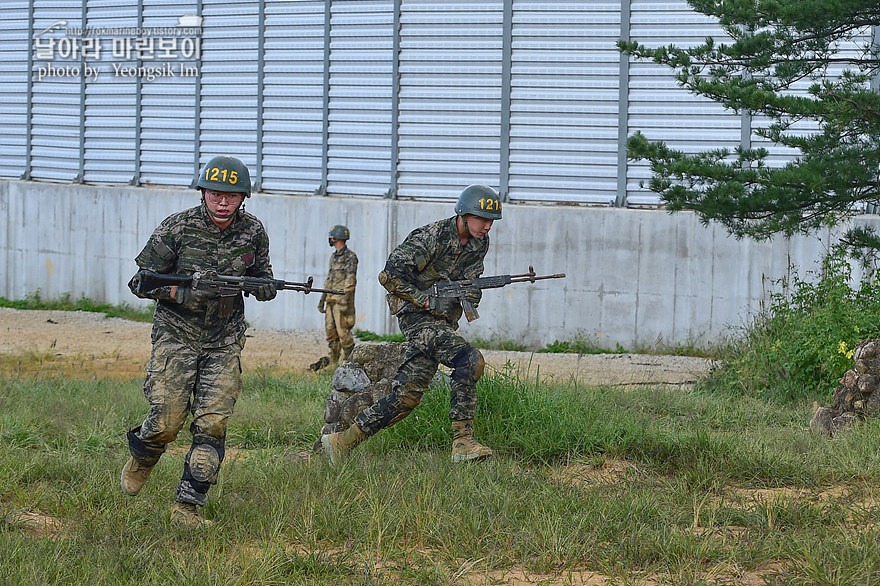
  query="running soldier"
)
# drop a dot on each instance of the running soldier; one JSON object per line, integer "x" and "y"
{"x": 197, "y": 338}
{"x": 453, "y": 249}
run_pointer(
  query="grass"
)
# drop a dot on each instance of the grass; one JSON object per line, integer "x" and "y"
{"x": 65, "y": 303}
{"x": 682, "y": 487}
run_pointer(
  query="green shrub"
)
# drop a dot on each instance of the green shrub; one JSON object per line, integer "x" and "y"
{"x": 368, "y": 336}
{"x": 801, "y": 342}
{"x": 580, "y": 345}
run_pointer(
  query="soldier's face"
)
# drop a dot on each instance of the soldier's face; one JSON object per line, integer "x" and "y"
{"x": 222, "y": 206}
{"x": 478, "y": 227}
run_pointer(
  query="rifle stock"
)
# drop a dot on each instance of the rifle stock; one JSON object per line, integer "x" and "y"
{"x": 148, "y": 280}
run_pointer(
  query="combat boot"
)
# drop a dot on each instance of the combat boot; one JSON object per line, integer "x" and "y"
{"x": 134, "y": 476}
{"x": 464, "y": 446}
{"x": 337, "y": 445}
{"x": 187, "y": 515}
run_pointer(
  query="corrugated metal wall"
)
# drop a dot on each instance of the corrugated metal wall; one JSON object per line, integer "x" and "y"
{"x": 373, "y": 98}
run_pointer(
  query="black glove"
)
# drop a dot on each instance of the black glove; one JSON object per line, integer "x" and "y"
{"x": 266, "y": 292}
{"x": 473, "y": 295}
{"x": 191, "y": 299}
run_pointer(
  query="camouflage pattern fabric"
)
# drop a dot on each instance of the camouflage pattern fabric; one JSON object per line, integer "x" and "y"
{"x": 431, "y": 341}
{"x": 339, "y": 312}
{"x": 195, "y": 365}
{"x": 428, "y": 254}
{"x": 181, "y": 380}
{"x": 187, "y": 242}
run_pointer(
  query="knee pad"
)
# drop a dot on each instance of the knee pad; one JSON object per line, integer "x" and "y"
{"x": 468, "y": 365}
{"x": 203, "y": 462}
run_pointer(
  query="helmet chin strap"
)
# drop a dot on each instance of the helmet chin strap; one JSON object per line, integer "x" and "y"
{"x": 222, "y": 218}
{"x": 467, "y": 230}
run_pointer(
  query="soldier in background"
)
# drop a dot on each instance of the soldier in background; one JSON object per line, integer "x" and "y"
{"x": 452, "y": 249}
{"x": 338, "y": 310}
{"x": 195, "y": 365}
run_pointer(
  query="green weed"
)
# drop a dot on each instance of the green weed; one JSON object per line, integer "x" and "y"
{"x": 800, "y": 342}
{"x": 368, "y": 336}
{"x": 65, "y": 303}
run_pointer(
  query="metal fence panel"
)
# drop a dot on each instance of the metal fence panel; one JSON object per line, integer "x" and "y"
{"x": 229, "y": 80}
{"x": 657, "y": 106}
{"x": 56, "y": 101}
{"x": 110, "y": 97}
{"x": 450, "y": 97}
{"x": 293, "y": 96}
{"x": 399, "y": 98}
{"x": 359, "y": 125}
{"x": 14, "y": 51}
{"x": 564, "y": 102}
{"x": 168, "y": 107}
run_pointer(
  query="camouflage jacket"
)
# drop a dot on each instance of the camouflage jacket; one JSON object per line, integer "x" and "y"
{"x": 342, "y": 275}
{"x": 427, "y": 255}
{"x": 189, "y": 241}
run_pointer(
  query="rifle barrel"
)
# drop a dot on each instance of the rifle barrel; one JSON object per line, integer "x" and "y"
{"x": 533, "y": 278}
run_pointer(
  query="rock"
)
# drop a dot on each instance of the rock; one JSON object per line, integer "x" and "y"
{"x": 850, "y": 378}
{"x": 332, "y": 406}
{"x": 358, "y": 383}
{"x": 822, "y": 421}
{"x": 872, "y": 405}
{"x": 843, "y": 421}
{"x": 354, "y": 405}
{"x": 867, "y": 383}
{"x": 350, "y": 378}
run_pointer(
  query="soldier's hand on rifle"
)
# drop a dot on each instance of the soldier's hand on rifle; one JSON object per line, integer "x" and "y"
{"x": 265, "y": 292}
{"x": 473, "y": 295}
{"x": 321, "y": 305}
{"x": 190, "y": 298}
{"x": 439, "y": 305}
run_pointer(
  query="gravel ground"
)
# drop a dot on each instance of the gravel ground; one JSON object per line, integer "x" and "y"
{"x": 102, "y": 346}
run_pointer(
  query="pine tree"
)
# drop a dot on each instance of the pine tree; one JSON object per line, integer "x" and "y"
{"x": 773, "y": 45}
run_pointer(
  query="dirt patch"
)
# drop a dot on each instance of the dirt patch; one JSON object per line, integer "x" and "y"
{"x": 38, "y": 525}
{"x": 88, "y": 344}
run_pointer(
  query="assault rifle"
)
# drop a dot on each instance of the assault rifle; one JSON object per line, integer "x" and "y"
{"x": 221, "y": 285}
{"x": 459, "y": 289}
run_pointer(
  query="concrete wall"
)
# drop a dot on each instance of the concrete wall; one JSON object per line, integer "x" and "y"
{"x": 634, "y": 276}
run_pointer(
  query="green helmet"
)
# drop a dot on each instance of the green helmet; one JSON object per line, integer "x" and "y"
{"x": 479, "y": 200}
{"x": 339, "y": 232}
{"x": 226, "y": 174}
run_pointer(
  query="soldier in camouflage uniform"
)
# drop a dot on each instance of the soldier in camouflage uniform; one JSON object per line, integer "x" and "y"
{"x": 338, "y": 310}
{"x": 452, "y": 249}
{"x": 197, "y": 339}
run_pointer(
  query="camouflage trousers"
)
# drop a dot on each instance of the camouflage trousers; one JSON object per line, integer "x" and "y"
{"x": 431, "y": 341}
{"x": 338, "y": 321}
{"x": 181, "y": 381}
